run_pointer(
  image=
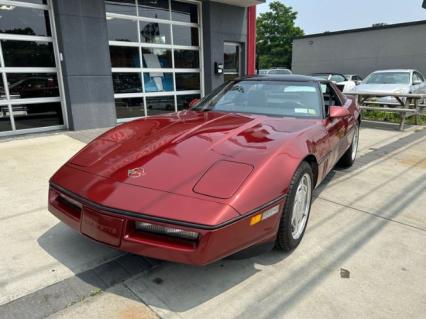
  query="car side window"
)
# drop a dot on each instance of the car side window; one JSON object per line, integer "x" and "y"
{"x": 417, "y": 77}
{"x": 330, "y": 96}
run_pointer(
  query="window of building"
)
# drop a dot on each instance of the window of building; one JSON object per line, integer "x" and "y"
{"x": 30, "y": 98}
{"x": 155, "y": 55}
{"x": 232, "y": 60}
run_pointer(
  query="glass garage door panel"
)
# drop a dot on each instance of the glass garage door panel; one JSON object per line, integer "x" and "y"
{"x": 122, "y": 30}
{"x": 37, "y": 115}
{"x": 187, "y": 59}
{"x": 155, "y": 55}
{"x": 34, "y": 1}
{"x": 26, "y": 21}
{"x": 154, "y": 32}
{"x": 127, "y": 82}
{"x": 29, "y": 87}
{"x": 124, "y": 57}
{"x": 184, "y": 12}
{"x": 32, "y": 85}
{"x": 121, "y": 6}
{"x": 160, "y": 104}
{"x": 5, "y": 124}
{"x": 183, "y": 101}
{"x": 158, "y": 9}
{"x": 157, "y": 58}
{"x": 130, "y": 107}
{"x": 28, "y": 54}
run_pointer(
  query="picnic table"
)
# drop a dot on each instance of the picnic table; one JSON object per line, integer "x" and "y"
{"x": 406, "y": 105}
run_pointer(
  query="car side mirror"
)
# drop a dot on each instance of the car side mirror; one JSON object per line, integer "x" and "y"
{"x": 417, "y": 82}
{"x": 193, "y": 103}
{"x": 338, "y": 111}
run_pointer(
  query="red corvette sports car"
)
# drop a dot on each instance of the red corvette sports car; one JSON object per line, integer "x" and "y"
{"x": 234, "y": 171}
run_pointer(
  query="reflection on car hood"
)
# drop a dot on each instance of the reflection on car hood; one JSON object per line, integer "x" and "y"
{"x": 172, "y": 152}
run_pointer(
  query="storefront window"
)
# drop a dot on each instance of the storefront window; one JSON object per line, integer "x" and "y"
{"x": 158, "y": 9}
{"x": 32, "y": 85}
{"x": 153, "y": 32}
{"x": 183, "y": 101}
{"x": 187, "y": 36}
{"x": 130, "y": 107}
{"x": 157, "y": 58}
{"x": 127, "y": 82}
{"x": 160, "y": 104}
{"x": 158, "y": 45}
{"x": 37, "y": 115}
{"x": 184, "y": 12}
{"x": 187, "y": 59}
{"x": 26, "y": 21}
{"x": 158, "y": 82}
{"x": 122, "y": 30}
{"x": 124, "y": 57}
{"x": 121, "y": 6}
{"x": 30, "y": 96}
{"x": 27, "y": 54}
{"x": 232, "y": 61}
{"x": 187, "y": 81}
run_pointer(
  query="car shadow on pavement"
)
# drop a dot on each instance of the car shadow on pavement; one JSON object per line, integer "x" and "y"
{"x": 70, "y": 248}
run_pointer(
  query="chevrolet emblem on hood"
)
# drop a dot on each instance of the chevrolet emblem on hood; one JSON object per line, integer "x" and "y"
{"x": 136, "y": 172}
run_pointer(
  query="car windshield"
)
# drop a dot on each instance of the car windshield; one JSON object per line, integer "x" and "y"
{"x": 389, "y": 78}
{"x": 273, "y": 98}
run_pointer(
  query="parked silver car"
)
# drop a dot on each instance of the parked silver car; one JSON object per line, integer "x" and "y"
{"x": 398, "y": 81}
{"x": 275, "y": 71}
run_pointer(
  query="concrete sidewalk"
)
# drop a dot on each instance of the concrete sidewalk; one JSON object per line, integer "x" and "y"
{"x": 369, "y": 221}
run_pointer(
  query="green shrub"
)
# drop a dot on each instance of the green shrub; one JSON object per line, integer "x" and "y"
{"x": 390, "y": 117}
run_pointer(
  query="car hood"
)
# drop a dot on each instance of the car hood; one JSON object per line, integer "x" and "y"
{"x": 387, "y": 88}
{"x": 172, "y": 153}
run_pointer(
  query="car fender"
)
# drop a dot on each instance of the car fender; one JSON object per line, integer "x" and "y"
{"x": 270, "y": 181}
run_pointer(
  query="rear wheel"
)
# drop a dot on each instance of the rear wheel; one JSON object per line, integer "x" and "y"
{"x": 349, "y": 157}
{"x": 296, "y": 210}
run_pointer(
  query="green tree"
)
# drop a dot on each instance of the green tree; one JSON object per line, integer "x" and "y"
{"x": 276, "y": 30}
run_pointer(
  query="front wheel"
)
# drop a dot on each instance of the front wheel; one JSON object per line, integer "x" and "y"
{"x": 296, "y": 210}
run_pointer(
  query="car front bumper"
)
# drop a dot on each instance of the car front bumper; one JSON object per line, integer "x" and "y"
{"x": 118, "y": 229}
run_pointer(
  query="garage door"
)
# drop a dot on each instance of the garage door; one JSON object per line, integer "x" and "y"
{"x": 156, "y": 55}
{"x": 30, "y": 99}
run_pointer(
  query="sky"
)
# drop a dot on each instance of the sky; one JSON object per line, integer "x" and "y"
{"x": 317, "y": 16}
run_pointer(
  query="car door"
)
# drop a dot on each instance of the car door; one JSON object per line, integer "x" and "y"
{"x": 337, "y": 128}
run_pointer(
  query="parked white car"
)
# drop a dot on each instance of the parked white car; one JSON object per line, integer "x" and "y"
{"x": 354, "y": 77}
{"x": 344, "y": 84}
{"x": 398, "y": 81}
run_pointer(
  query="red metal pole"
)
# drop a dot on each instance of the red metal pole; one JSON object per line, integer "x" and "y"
{"x": 251, "y": 40}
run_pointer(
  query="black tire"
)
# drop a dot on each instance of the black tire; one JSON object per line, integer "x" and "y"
{"x": 285, "y": 240}
{"x": 347, "y": 160}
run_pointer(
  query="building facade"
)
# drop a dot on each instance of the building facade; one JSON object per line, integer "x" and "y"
{"x": 80, "y": 64}
{"x": 362, "y": 51}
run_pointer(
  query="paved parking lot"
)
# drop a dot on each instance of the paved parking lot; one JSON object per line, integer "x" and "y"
{"x": 367, "y": 223}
